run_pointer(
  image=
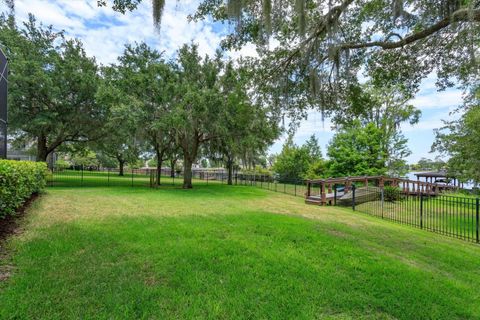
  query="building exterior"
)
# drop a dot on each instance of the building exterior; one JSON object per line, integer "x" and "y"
{"x": 21, "y": 155}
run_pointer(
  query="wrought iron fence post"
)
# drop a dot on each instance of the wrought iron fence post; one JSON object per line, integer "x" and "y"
{"x": 236, "y": 177}
{"x": 108, "y": 177}
{"x": 353, "y": 197}
{"x": 132, "y": 177}
{"x": 81, "y": 168}
{"x": 477, "y": 219}
{"x": 382, "y": 199}
{"x": 421, "y": 210}
{"x": 335, "y": 194}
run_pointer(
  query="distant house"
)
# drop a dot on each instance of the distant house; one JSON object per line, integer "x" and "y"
{"x": 21, "y": 155}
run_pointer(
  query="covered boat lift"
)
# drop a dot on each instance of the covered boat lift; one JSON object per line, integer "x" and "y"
{"x": 440, "y": 176}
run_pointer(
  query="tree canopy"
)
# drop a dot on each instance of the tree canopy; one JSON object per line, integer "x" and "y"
{"x": 52, "y": 89}
{"x": 387, "y": 107}
{"x": 314, "y": 51}
{"x": 248, "y": 126}
{"x": 293, "y": 163}
{"x": 357, "y": 150}
{"x": 459, "y": 140}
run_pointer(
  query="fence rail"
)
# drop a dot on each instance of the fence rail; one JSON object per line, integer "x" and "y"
{"x": 288, "y": 186}
{"x": 449, "y": 215}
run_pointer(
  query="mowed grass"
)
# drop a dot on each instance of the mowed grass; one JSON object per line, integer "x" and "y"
{"x": 231, "y": 253}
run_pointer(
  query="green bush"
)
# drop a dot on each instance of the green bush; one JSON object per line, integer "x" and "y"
{"x": 18, "y": 181}
{"x": 259, "y": 171}
{"x": 391, "y": 194}
{"x": 61, "y": 165}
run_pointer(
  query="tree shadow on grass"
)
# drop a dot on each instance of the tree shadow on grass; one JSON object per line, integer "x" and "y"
{"x": 254, "y": 265}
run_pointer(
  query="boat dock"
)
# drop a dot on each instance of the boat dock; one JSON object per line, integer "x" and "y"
{"x": 326, "y": 191}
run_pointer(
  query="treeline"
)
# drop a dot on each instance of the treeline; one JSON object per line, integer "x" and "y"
{"x": 144, "y": 106}
{"x": 428, "y": 164}
{"x": 353, "y": 151}
{"x": 459, "y": 139}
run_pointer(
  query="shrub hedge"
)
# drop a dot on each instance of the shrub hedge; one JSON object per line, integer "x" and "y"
{"x": 18, "y": 181}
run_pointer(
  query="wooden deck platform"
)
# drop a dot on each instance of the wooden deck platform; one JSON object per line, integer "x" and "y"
{"x": 317, "y": 199}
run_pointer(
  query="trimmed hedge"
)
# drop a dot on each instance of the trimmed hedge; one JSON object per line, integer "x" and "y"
{"x": 18, "y": 181}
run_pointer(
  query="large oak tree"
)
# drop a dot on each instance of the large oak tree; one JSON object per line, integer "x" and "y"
{"x": 197, "y": 105}
{"x": 144, "y": 75}
{"x": 318, "y": 48}
{"x": 52, "y": 87}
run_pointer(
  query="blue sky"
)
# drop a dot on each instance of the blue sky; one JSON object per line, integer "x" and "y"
{"x": 104, "y": 34}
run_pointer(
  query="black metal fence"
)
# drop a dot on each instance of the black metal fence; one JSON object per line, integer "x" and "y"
{"x": 450, "y": 215}
{"x": 288, "y": 186}
{"x": 80, "y": 176}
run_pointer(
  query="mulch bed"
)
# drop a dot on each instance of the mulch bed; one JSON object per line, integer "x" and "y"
{"x": 10, "y": 225}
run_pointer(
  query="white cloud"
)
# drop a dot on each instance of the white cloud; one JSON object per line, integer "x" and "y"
{"x": 47, "y": 13}
{"x": 433, "y": 121}
{"x": 249, "y": 50}
{"x": 105, "y": 32}
{"x": 438, "y": 100}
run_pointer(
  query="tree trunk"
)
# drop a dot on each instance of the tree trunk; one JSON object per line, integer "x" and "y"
{"x": 230, "y": 171}
{"x": 187, "y": 172}
{"x": 121, "y": 165}
{"x": 42, "y": 150}
{"x": 172, "y": 168}
{"x": 159, "y": 166}
{"x": 159, "y": 171}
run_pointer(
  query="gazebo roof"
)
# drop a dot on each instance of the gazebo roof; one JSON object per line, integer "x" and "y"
{"x": 433, "y": 174}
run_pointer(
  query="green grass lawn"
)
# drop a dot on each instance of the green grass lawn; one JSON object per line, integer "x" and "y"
{"x": 228, "y": 252}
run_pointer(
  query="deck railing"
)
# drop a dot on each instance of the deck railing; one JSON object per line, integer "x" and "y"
{"x": 326, "y": 186}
